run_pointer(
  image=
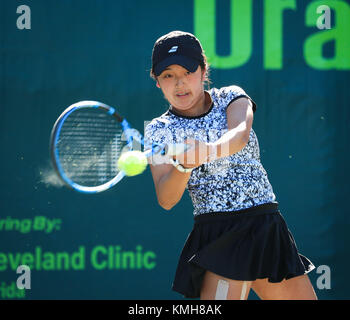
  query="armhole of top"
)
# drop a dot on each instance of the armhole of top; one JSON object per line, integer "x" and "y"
{"x": 244, "y": 96}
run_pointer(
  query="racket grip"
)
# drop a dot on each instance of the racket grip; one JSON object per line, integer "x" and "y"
{"x": 176, "y": 149}
{"x": 179, "y": 166}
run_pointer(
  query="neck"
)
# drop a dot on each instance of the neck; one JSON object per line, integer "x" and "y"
{"x": 201, "y": 107}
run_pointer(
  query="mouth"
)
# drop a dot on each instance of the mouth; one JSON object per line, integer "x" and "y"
{"x": 182, "y": 95}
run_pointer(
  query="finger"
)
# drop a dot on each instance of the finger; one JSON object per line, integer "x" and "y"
{"x": 190, "y": 141}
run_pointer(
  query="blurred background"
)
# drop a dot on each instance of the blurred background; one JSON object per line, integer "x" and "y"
{"x": 291, "y": 59}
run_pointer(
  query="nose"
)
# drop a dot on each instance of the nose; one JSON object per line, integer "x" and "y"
{"x": 179, "y": 81}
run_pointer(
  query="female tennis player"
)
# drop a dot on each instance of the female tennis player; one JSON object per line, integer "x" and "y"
{"x": 239, "y": 240}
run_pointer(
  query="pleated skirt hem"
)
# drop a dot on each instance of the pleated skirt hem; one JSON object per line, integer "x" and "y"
{"x": 244, "y": 245}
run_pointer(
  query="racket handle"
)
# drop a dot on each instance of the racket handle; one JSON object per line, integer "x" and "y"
{"x": 176, "y": 149}
{"x": 179, "y": 166}
{"x": 169, "y": 151}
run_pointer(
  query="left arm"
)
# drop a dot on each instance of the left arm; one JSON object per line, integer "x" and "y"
{"x": 239, "y": 123}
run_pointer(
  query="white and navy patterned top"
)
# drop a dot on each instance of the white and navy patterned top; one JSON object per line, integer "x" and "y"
{"x": 228, "y": 184}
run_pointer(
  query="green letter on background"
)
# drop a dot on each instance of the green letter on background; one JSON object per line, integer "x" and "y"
{"x": 241, "y": 32}
{"x": 273, "y": 31}
{"x": 340, "y": 33}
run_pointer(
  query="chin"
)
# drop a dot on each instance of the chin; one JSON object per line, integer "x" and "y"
{"x": 182, "y": 108}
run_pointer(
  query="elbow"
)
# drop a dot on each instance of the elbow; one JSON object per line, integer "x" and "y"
{"x": 240, "y": 144}
{"x": 166, "y": 205}
{"x": 167, "y": 208}
{"x": 245, "y": 136}
{"x": 246, "y": 129}
{"x": 244, "y": 140}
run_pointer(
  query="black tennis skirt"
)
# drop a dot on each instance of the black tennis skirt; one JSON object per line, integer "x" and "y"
{"x": 248, "y": 244}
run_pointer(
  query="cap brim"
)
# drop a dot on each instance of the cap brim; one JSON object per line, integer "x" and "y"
{"x": 186, "y": 62}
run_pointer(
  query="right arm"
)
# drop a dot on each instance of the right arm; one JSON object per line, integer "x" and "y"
{"x": 169, "y": 183}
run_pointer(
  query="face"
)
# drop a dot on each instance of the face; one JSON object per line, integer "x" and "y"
{"x": 182, "y": 88}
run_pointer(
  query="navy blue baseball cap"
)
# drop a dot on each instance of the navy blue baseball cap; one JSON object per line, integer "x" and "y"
{"x": 177, "y": 47}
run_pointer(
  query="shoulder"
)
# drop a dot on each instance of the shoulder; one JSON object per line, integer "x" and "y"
{"x": 159, "y": 129}
{"x": 227, "y": 92}
{"x": 224, "y": 96}
{"x": 160, "y": 122}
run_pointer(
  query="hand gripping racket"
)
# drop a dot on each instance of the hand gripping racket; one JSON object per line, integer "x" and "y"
{"x": 86, "y": 142}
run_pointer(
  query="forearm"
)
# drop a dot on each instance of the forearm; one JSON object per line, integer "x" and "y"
{"x": 171, "y": 187}
{"x": 230, "y": 143}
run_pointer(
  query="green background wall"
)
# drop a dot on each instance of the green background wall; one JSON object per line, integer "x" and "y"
{"x": 100, "y": 50}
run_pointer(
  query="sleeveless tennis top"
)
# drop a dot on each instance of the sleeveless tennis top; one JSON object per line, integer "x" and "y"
{"x": 228, "y": 184}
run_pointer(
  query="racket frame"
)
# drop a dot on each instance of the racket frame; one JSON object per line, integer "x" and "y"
{"x": 170, "y": 151}
{"x": 55, "y": 137}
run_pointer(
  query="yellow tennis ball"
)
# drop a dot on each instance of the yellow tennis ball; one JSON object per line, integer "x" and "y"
{"x": 132, "y": 162}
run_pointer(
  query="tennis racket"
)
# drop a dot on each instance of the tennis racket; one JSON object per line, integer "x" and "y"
{"x": 86, "y": 142}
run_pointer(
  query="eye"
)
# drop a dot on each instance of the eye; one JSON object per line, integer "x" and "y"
{"x": 167, "y": 76}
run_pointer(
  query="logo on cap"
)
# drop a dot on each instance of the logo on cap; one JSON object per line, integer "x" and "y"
{"x": 173, "y": 49}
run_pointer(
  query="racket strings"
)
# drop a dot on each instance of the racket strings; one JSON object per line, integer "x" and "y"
{"x": 89, "y": 146}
